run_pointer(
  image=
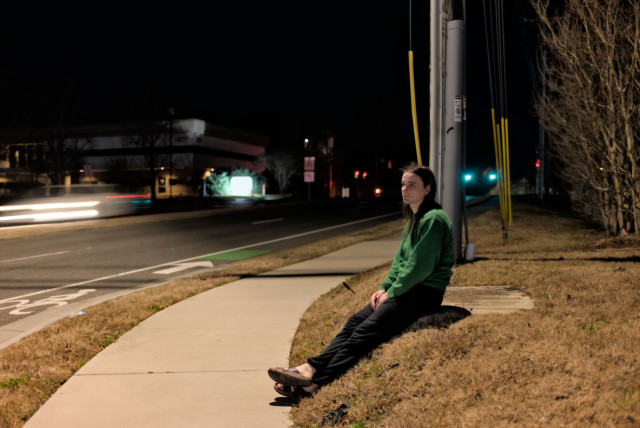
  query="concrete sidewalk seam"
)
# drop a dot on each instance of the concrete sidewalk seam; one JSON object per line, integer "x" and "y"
{"x": 175, "y": 372}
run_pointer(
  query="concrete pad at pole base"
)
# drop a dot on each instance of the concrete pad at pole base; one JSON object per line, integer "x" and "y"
{"x": 488, "y": 299}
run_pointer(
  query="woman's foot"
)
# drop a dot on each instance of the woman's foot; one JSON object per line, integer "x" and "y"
{"x": 300, "y": 376}
{"x": 311, "y": 389}
{"x": 295, "y": 393}
{"x": 306, "y": 370}
{"x": 287, "y": 391}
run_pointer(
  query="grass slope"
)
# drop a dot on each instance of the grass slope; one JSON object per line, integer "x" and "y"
{"x": 572, "y": 361}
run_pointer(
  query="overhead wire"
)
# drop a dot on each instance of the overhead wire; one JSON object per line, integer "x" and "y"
{"x": 489, "y": 41}
{"x": 412, "y": 84}
{"x": 506, "y": 115}
{"x": 496, "y": 61}
{"x": 505, "y": 109}
{"x": 502, "y": 125}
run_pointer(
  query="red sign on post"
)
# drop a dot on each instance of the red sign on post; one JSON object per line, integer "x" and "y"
{"x": 309, "y": 176}
{"x": 309, "y": 167}
{"x": 309, "y": 163}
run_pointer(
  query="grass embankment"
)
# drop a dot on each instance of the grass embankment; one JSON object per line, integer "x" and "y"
{"x": 572, "y": 361}
{"x": 32, "y": 369}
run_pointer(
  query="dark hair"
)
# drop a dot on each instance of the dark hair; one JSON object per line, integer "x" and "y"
{"x": 429, "y": 203}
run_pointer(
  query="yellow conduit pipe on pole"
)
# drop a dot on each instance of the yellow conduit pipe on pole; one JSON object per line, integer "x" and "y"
{"x": 495, "y": 147}
{"x": 503, "y": 209}
{"x": 413, "y": 107}
{"x": 508, "y": 178}
{"x": 505, "y": 177}
{"x": 497, "y": 151}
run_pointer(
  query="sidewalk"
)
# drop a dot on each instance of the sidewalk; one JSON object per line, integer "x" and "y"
{"x": 202, "y": 362}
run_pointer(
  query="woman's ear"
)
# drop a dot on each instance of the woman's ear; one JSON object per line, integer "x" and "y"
{"x": 427, "y": 190}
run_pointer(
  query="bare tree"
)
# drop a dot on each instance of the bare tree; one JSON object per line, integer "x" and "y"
{"x": 591, "y": 105}
{"x": 284, "y": 166}
{"x": 151, "y": 142}
{"x": 64, "y": 154}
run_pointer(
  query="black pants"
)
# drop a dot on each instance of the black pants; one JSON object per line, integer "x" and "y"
{"x": 367, "y": 329}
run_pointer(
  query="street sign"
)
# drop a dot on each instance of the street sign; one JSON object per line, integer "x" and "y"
{"x": 309, "y": 163}
{"x": 309, "y": 176}
{"x": 457, "y": 109}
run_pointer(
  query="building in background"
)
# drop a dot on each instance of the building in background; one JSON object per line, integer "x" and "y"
{"x": 176, "y": 155}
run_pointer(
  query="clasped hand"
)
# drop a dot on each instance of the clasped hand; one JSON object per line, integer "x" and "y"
{"x": 378, "y": 298}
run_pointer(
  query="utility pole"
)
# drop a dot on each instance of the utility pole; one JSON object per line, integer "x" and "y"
{"x": 446, "y": 149}
{"x": 452, "y": 151}
{"x": 541, "y": 134}
{"x": 435, "y": 92}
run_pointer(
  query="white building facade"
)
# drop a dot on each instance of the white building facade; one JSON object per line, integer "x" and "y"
{"x": 180, "y": 155}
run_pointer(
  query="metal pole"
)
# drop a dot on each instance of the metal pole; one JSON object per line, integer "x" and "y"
{"x": 435, "y": 91}
{"x": 451, "y": 197}
{"x": 170, "y": 112}
{"x": 541, "y": 133}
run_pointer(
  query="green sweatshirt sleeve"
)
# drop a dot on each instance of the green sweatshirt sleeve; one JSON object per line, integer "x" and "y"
{"x": 396, "y": 264}
{"x": 420, "y": 260}
{"x": 393, "y": 272}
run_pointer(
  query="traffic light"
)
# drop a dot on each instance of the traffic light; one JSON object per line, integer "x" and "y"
{"x": 537, "y": 163}
{"x": 356, "y": 174}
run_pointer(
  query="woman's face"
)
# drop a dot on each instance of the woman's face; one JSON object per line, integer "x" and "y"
{"x": 413, "y": 190}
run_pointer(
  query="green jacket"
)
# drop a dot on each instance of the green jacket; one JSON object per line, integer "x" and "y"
{"x": 425, "y": 259}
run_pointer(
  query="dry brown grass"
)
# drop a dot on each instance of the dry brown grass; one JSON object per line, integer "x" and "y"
{"x": 572, "y": 361}
{"x": 32, "y": 369}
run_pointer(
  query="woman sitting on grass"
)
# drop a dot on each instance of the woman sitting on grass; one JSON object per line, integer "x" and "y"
{"x": 413, "y": 288}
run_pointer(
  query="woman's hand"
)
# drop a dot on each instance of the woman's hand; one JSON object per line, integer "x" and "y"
{"x": 378, "y": 298}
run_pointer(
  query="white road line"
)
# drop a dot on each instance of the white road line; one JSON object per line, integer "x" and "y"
{"x": 267, "y": 221}
{"x": 184, "y": 266}
{"x": 131, "y": 272}
{"x": 34, "y": 257}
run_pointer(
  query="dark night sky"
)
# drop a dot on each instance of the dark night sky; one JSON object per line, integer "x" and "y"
{"x": 287, "y": 69}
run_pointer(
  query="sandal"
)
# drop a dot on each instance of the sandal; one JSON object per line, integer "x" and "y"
{"x": 289, "y": 377}
{"x": 293, "y": 395}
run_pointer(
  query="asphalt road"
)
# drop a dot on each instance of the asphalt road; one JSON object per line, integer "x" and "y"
{"x": 42, "y": 273}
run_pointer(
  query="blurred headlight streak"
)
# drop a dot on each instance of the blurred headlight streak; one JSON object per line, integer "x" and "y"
{"x": 51, "y": 216}
{"x": 61, "y": 203}
{"x": 54, "y": 206}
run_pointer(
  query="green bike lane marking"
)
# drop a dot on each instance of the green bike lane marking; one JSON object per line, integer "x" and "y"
{"x": 236, "y": 255}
